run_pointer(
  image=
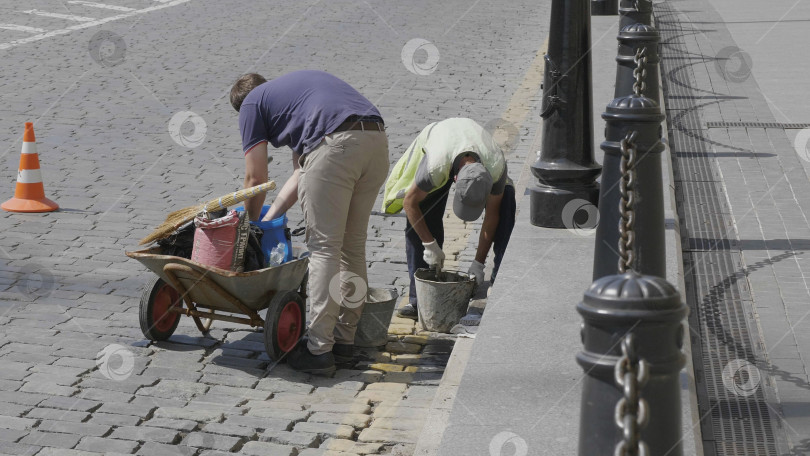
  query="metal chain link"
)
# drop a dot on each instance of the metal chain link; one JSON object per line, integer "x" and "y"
{"x": 632, "y": 412}
{"x": 627, "y": 184}
{"x": 640, "y": 71}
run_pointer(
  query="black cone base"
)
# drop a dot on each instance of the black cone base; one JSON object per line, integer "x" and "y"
{"x": 548, "y": 203}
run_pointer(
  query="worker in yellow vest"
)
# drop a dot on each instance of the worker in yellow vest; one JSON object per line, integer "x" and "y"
{"x": 453, "y": 150}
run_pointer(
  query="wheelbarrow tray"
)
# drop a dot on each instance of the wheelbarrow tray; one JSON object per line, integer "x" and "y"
{"x": 253, "y": 289}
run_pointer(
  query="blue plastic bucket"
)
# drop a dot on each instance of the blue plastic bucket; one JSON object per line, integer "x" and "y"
{"x": 273, "y": 234}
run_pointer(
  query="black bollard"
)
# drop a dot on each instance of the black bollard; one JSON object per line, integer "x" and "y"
{"x": 604, "y": 7}
{"x": 635, "y": 12}
{"x": 637, "y": 41}
{"x": 625, "y": 115}
{"x": 650, "y": 310}
{"x": 566, "y": 169}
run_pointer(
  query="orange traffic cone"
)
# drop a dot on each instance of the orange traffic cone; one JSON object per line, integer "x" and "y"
{"x": 30, "y": 193}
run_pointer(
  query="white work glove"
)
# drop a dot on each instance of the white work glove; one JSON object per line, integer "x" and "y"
{"x": 476, "y": 271}
{"x": 433, "y": 255}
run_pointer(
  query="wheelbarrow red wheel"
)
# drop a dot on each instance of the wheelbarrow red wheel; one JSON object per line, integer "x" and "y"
{"x": 284, "y": 324}
{"x": 157, "y": 323}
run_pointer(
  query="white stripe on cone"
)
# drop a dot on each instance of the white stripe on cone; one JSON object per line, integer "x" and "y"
{"x": 29, "y": 176}
{"x": 29, "y": 148}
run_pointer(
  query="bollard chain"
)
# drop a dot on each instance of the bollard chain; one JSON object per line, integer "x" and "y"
{"x": 640, "y": 72}
{"x": 627, "y": 184}
{"x": 632, "y": 412}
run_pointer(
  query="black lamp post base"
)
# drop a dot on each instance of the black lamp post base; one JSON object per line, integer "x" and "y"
{"x": 604, "y": 7}
{"x": 548, "y": 205}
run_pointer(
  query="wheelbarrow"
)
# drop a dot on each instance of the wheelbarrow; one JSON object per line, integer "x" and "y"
{"x": 185, "y": 287}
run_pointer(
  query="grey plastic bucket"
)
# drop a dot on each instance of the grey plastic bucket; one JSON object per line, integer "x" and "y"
{"x": 372, "y": 329}
{"x": 441, "y": 304}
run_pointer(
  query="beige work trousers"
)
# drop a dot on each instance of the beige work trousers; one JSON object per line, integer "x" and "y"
{"x": 339, "y": 182}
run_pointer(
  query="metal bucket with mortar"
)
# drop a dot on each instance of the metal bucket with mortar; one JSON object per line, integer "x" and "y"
{"x": 442, "y": 303}
{"x": 372, "y": 328}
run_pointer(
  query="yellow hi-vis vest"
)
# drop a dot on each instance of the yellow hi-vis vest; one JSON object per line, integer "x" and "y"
{"x": 440, "y": 143}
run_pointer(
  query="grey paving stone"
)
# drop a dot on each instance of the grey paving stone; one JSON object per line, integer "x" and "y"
{"x": 296, "y": 439}
{"x": 152, "y": 448}
{"x": 88, "y": 429}
{"x": 106, "y": 445}
{"x": 211, "y": 441}
{"x": 120, "y": 408}
{"x": 12, "y": 435}
{"x": 56, "y": 414}
{"x": 260, "y": 423}
{"x": 264, "y": 448}
{"x": 70, "y": 403}
{"x": 230, "y": 429}
{"x": 145, "y": 433}
{"x": 112, "y": 419}
{"x": 51, "y": 439}
{"x": 179, "y": 425}
{"x": 341, "y": 431}
{"x": 8, "y": 422}
{"x": 8, "y": 409}
{"x": 18, "y": 449}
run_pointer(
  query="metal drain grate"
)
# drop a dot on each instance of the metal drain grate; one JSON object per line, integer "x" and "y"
{"x": 717, "y": 290}
{"x": 784, "y": 126}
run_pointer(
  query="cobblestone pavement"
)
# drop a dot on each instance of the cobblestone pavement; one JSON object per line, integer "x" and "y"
{"x": 101, "y": 81}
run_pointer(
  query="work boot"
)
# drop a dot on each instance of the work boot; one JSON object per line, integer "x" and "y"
{"x": 343, "y": 353}
{"x": 302, "y": 360}
{"x": 408, "y": 311}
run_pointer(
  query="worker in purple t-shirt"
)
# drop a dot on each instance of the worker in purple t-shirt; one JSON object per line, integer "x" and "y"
{"x": 340, "y": 161}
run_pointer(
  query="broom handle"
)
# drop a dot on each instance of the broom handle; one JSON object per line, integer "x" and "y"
{"x": 239, "y": 196}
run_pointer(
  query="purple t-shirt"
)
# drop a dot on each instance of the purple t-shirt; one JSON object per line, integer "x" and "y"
{"x": 298, "y": 109}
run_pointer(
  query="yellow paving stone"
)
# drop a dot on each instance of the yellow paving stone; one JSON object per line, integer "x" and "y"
{"x": 408, "y": 359}
{"x": 425, "y": 369}
{"x": 383, "y": 357}
{"x": 414, "y": 339}
{"x": 388, "y": 436}
{"x": 386, "y": 387}
{"x": 357, "y": 420}
{"x": 402, "y": 347}
{"x": 360, "y": 406}
{"x": 400, "y": 330}
{"x": 402, "y": 424}
{"x": 380, "y": 396}
{"x": 386, "y": 367}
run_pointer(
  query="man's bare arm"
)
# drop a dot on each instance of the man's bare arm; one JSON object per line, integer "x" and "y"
{"x": 288, "y": 194}
{"x": 255, "y": 174}
{"x": 415, "y": 196}
{"x": 492, "y": 216}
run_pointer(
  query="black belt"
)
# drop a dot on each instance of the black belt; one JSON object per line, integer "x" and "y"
{"x": 361, "y": 123}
